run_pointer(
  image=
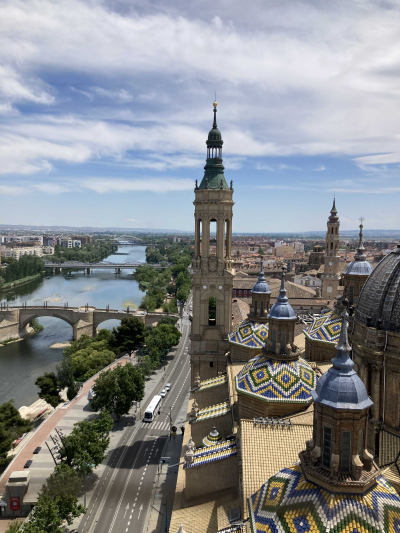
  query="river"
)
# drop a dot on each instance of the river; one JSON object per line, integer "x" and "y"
{"x": 22, "y": 362}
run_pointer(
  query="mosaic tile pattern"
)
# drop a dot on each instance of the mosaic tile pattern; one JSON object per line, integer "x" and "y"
{"x": 212, "y": 411}
{"x": 219, "y": 451}
{"x": 325, "y": 328}
{"x": 288, "y": 503}
{"x": 212, "y": 438}
{"x": 250, "y": 334}
{"x": 273, "y": 380}
{"x": 213, "y": 382}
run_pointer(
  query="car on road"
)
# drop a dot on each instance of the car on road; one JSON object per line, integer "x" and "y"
{"x": 28, "y": 463}
{"x": 163, "y": 393}
{"x": 168, "y": 387}
{"x": 37, "y": 449}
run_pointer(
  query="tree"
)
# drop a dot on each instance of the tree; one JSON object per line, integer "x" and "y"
{"x": 12, "y": 426}
{"x": 168, "y": 320}
{"x": 115, "y": 390}
{"x": 160, "y": 340}
{"x": 129, "y": 335}
{"x": 44, "y": 517}
{"x": 84, "y": 448}
{"x": 15, "y": 526}
{"x": 89, "y": 361}
{"x": 65, "y": 377}
{"x": 49, "y": 390}
{"x": 63, "y": 486}
{"x": 145, "y": 365}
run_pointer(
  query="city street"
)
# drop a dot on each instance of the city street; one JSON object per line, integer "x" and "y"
{"x": 121, "y": 499}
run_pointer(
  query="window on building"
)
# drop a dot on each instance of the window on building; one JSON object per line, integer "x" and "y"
{"x": 212, "y": 311}
{"x": 351, "y": 295}
{"x": 332, "y": 231}
{"x": 211, "y": 364}
{"x": 255, "y": 307}
{"x": 327, "y": 447}
{"x": 240, "y": 292}
{"x": 261, "y": 308}
{"x": 346, "y": 451}
{"x": 283, "y": 341}
{"x": 331, "y": 245}
{"x": 213, "y": 237}
{"x": 360, "y": 443}
{"x": 274, "y": 340}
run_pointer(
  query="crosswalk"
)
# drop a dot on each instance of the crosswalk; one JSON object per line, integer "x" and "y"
{"x": 162, "y": 425}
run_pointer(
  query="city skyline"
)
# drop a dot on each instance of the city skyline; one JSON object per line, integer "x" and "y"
{"x": 104, "y": 125}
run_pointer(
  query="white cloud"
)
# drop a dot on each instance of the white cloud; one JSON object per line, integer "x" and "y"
{"x": 320, "y": 168}
{"x": 158, "y": 185}
{"x": 52, "y": 188}
{"x": 261, "y": 166}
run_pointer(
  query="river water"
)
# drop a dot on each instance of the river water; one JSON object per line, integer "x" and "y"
{"x": 22, "y": 362}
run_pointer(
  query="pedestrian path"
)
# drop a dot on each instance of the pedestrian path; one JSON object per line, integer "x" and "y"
{"x": 156, "y": 425}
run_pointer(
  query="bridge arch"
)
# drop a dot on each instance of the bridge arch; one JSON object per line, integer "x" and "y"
{"x": 45, "y": 313}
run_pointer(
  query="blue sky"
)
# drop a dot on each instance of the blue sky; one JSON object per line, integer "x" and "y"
{"x": 105, "y": 107}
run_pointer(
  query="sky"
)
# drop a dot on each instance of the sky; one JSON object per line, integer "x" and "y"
{"x": 105, "y": 107}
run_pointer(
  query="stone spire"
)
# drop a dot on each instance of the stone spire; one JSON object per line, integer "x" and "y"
{"x": 282, "y": 310}
{"x": 360, "y": 254}
{"x": 334, "y": 212}
{"x": 214, "y": 170}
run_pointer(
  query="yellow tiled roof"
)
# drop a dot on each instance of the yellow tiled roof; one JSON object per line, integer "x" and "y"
{"x": 267, "y": 449}
{"x": 212, "y": 411}
{"x": 213, "y": 381}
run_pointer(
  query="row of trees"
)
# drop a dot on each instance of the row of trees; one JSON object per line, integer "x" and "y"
{"x": 27, "y": 265}
{"x": 81, "y": 451}
{"x": 174, "y": 281}
{"x": 87, "y": 356}
{"x": 88, "y": 253}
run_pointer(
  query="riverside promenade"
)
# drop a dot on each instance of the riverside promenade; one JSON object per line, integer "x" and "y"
{"x": 64, "y": 417}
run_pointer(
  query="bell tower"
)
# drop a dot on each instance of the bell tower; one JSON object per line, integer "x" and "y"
{"x": 331, "y": 276}
{"x": 212, "y": 271}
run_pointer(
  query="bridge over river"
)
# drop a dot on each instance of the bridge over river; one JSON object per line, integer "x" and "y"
{"x": 78, "y": 265}
{"x": 14, "y": 321}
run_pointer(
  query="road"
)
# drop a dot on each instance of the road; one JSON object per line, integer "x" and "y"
{"x": 121, "y": 500}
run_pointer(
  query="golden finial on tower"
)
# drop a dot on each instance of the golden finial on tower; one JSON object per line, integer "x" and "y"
{"x": 215, "y": 103}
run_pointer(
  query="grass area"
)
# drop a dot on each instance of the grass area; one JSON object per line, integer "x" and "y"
{"x": 12, "y": 284}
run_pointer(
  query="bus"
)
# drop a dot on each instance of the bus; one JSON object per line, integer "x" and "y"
{"x": 152, "y": 408}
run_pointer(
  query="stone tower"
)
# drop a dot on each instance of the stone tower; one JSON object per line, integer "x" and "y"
{"x": 212, "y": 271}
{"x": 331, "y": 276}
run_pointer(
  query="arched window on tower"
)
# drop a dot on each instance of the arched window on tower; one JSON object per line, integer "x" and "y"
{"x": 255, "y": 307}
{"x": 199, "y": 235}
{"x": 331, "y": 245}
{"x": 332, "y": 231}
{"x": 261, "y": 309}
{"x": 346, "y": 451}
{"x": 213, "y": 237}
{"x": 274, "y": 340}
{"x": 351, "y": 295}
{"x": 212, "y": 311}
{"x": 327, "y": 447}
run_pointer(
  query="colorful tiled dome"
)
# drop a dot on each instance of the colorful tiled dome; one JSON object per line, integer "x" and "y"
{"x": 325, "y": 328}
{"x": 212, "y": 438}
{"x": 288, "y": 503}
{"x": 250, "y": 334}
{"x": 274, "y": 380}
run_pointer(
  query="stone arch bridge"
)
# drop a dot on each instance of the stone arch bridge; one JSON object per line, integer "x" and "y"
{"x": 84, "y": 320}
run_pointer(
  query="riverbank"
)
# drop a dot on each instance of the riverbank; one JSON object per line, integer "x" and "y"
{"x": 27, "y": 279}
{"x": 63, "y": 345}
{"x": 31, "y": 331}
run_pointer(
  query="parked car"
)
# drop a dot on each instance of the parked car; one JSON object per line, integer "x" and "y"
{"x": 163, "y": 393}
{"x": 168, "y": 387}
{"x": 28, "y": 463}
{"x": 37, "y": 449}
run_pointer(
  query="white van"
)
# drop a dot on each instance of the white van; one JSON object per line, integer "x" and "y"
{"x": 168, "y": 387}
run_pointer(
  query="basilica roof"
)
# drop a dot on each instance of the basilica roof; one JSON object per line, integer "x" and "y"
{"x": 212, "y": 438}
{"x": 213, "y": 382}
{"x": 275, "y": 380}
{"x": 212, "y": 411}
{"x": 261, "y": 287}
{"x": 249, "y": 334}
{"x": 341, "y": 387}
{"x": 282, "y": 310}
{"x": 325, "y": 328}
{"x": 288, "y": 503}
{"x": 379, "y": 302}
{"x": 216, "y": 452}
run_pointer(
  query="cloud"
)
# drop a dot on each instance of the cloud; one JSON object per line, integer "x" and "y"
{"x": 261, "y": 166}
{"x": 52, "y": 188}
{"x": 157, "y": 185}
{"x": 320, "y": 168}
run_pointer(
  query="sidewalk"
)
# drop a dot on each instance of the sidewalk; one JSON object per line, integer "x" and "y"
{"x": 162, "y": 498}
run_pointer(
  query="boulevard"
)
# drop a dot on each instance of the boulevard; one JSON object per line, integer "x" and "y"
{"x": 121, "y": 499}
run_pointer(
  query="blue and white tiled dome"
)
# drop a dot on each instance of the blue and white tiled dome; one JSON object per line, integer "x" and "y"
{"x": 277, "y": 380}
{"x": 250, "y": 334}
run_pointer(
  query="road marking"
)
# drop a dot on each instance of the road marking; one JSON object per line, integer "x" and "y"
{"x": 140, "y": 510}
{"x": 126, "y": 509}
